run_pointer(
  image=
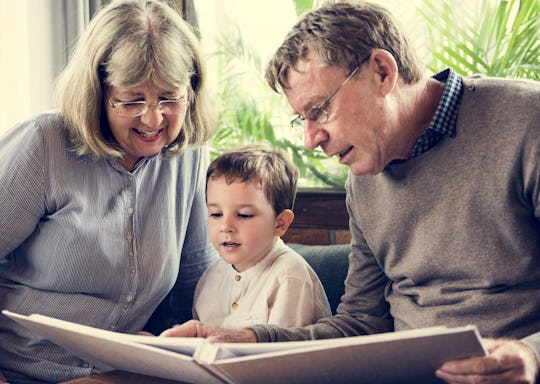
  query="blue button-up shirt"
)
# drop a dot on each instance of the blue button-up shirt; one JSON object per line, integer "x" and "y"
{"x": 85, "y": 240}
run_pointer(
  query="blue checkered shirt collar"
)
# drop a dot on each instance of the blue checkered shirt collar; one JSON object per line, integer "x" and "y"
{"x": 445, "y": 119}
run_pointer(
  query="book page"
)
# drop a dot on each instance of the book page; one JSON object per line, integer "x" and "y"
{"x": 408, "y": 357}
{"x": 247, "y": 349}
{"x": 108, "y": 350}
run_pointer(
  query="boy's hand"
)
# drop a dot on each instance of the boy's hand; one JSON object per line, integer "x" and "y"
{"x": 194, "y": 328}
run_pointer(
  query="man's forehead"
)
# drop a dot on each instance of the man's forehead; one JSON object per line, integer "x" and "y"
{"x": 310, "y": 83}
{"x": 311, "y": 61}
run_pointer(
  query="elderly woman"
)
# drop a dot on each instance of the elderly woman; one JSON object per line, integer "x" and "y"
{"x": 102, "y": 209}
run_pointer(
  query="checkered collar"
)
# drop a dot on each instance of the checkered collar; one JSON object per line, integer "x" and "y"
{"x": 444, "y": 121}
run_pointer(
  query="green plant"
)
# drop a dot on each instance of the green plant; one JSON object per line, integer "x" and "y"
{"x": 494, "y": 38}
{"x": 302, "y": 6}
{"x": 249, "y": 111}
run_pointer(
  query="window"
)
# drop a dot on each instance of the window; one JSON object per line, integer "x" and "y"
{"x": 35, "y": 39}
{"x": 14, "y": 63}
{"x": 239, "y": 38}
{"x": 481, "y": 36}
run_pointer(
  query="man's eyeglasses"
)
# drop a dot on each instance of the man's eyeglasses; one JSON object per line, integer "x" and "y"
{"x": 317, "y": 113}
{"x": 139, "y": 108}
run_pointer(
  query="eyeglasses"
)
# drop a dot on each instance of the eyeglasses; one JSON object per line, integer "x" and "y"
{"x": 317, "y": 113}
{"x": 139, "y": 108}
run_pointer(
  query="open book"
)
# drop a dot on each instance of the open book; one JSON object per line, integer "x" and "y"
{"x": 405, "y": 356}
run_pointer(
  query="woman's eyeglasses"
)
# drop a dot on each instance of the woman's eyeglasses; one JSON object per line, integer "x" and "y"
{"x": 139, "y": 108}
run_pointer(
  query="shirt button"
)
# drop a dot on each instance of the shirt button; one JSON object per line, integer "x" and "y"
{"x": 237, "y": 277}
{"x": 129, "y": 297}
{"x": 234, "y": 306}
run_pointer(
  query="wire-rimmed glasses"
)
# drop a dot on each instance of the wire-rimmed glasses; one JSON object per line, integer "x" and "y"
{"x": 139, "y": 108}
{"x": 317, "y": 113}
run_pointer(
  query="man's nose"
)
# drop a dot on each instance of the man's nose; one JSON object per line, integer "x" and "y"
{"x": 314, "y": 134}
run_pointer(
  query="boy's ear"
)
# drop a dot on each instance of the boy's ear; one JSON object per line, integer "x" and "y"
{"x": 283, "y": 220}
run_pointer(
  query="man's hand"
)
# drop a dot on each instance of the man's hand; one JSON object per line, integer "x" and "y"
{"x": 194, "y": 328}
{"x": 508, "y": 361}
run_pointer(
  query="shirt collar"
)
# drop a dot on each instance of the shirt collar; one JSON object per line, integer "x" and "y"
{"x": 444, "y": 121}
{"x": 445, "y": 118}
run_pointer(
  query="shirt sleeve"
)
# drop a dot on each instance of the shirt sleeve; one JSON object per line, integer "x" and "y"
{"x": 22, "y": 184}
{"x": 294, "y": 303}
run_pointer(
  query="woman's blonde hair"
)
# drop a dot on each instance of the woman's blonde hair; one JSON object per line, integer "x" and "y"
{"x": 126, "y": 44}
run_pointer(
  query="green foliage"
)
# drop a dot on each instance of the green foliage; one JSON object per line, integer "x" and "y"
{"x": 302, "y": 6}
{"x": 249, "y": 111}
{"x": 494, "y": 38}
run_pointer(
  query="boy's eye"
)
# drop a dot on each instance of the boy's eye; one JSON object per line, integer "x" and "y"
{"x": 215, "y": 215}
{"x": 245, "y": 216}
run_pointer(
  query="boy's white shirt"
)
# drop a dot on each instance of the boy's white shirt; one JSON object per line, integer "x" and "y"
{"x": 281, "y": 289}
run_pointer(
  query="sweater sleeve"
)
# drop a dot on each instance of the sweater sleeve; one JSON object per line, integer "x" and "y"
{"x": 363, "y": 309}
{"x": 531, "y": 182}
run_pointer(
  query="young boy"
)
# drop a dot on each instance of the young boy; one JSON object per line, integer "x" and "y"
{"x": 250, "y": 193}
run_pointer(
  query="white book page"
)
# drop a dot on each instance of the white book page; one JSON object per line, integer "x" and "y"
{"x": 184, "y": 345}
{"x": 399, "y": 357}
{"x": 246, "y": 349}
{"x": 111, "y": 350}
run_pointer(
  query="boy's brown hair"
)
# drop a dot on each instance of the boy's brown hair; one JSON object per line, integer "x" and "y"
{"x": 271, "y": 167}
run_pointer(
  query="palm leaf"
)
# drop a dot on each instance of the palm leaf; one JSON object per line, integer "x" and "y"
{"x": 498, "y": 39}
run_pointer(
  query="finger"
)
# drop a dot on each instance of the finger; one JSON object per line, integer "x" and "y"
{"x": 188, "y": 329}
{"x": 473, "y": 365}
{"x": 171, "y": 332}
{"x": 145, "y": 333}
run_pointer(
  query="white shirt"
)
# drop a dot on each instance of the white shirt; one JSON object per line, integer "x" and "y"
{"x": 281, "y": 289}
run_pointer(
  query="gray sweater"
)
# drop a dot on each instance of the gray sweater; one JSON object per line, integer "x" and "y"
{"x": 451, "y": 237}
